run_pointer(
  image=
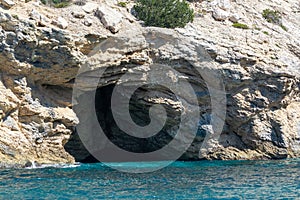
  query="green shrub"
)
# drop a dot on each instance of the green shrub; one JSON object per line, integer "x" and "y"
{"x": 57, "y": 3}
{"x": 283, "y": 27}
{"x": 122, "y": 4}
{"x": 240, "y": 25}
{"x": 164, "y": 13}
{"x": 272, "y": 16}
{"x": 61, "y": 4}
{"x": 266, "y": 32}
{"x": 15, "y": 16}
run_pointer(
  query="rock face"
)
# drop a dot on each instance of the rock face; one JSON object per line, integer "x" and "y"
{"x": 7, "y": 3}
{"x": 220, "y": 15}
{"x": 110, "y": 18}
{"x": 259, "y": 69}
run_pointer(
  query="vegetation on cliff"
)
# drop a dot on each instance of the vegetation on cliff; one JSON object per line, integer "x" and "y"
{"x": 273, "y": 16}
{"x": 164, "y": 13}
{"x": 57, "y": 3}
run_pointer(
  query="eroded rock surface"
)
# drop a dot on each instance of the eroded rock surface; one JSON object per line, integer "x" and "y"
{"x": 259, "y": 68}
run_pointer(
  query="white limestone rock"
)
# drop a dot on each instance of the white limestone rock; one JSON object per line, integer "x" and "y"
{"x": 7, "y": 3}
{"x": 110, "y": 18}
{"x": 90, "y": 7}
{"x": 220, "y": 15}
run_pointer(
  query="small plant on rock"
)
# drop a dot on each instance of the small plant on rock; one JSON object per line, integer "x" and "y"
{"x": 122, "y": 4}
{"x": 164, "y": 13}
{"x": 57, "y": 3}
{"x": 274, "y": 17}
{"x": 61, "y": 3}
{"x": 240, "y": 25}
{"x": 15, "y": 16}
{"x": 266, "y": 32}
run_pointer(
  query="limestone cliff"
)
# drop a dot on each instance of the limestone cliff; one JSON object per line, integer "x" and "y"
{"x": 42, "y": 48}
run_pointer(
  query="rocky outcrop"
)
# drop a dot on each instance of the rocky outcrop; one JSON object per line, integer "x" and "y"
{"x": 259, "y": 68}
{"x": 7, "y": 3}
{"x": 110, "y": 18}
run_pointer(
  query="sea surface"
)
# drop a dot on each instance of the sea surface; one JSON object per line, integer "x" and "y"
{"x": 279, "y": 179}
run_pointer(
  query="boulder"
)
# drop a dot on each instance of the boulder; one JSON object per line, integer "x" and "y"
{"x": 40, "y": 19}
{"x": 223, "y": 4}
{"x": 90, "y": 7}
{"x": 61, "y": 23}
{"x": 78, "y": 15}
{"x": 110, "y": 18}
{"x": 234, "y": 18}
{"x": 220, "y": 15}
{"x": 7, "y": 3}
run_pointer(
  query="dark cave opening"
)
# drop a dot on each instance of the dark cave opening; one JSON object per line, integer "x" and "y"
{"x": 139, "y": 111}
{"x": 140, "y": 103}
{"x": 140, "y": 115}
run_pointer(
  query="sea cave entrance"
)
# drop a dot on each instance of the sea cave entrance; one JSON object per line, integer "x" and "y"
{"x": 140, "y": 103}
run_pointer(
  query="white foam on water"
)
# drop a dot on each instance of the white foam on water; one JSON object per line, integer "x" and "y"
{"x": 34, "y": 166}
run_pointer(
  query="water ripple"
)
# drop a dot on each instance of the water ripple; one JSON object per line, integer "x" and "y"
{"x": 181, "y": 180}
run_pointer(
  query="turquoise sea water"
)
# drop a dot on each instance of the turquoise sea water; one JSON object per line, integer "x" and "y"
{"x": 181, "y": 180}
